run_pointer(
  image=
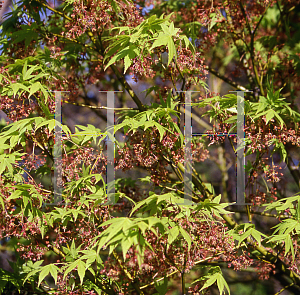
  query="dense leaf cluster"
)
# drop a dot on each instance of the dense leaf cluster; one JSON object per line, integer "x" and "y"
{"x": 151, "y": 241}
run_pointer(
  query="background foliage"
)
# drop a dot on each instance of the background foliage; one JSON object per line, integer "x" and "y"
{"x": 150, "y": 241}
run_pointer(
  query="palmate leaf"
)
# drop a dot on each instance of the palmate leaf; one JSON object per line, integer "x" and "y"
{"x": 34, "y": 269}
{"x": 273, "y": 106}
{"x": 148, "y": 119}
{"x": 140, "y": 41}
{"x": 127, "y": 53}
{"x": 88, "y": 133}
{"x": 160, "y": 41}
{"x": 28, "y": 192}
{"x": 288, "y": 243}
{"x": 187, "y": 237}
{"x": 248, "y": 231}
{"x": 121, "y": 42}
{"x": 81, "y": 268}
{"x": 154, "y": 202}
{"x": 26, "y": 33}
{"x": 90, "y": 256}
{"x": 171, "y": 50}
{"x": 16, "y": 87}
{"x": 173, "y": 234}
{"x": 126, "y": 232}
{"x": 288, "y": 226}
{"x": 213, "y": 206}
{"x": 65, "y": 215}
{"x": 166, "y": 39}
{"x": 278, "y": 147}
{"x": 76, "y": 186}
{"x": 215, "y": 275}
{"x": 285, "y": 204}
{"x": 161, "y": 286}
{"x": 129, "y": 232}
{"x": 134, "y": 124}
{"x": 27, "y": 82}
{"x": 46, "y": 270}
{"x": 14, "y": 134}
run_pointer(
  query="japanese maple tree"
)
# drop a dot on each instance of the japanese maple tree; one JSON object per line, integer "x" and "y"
{"x": 150, "y": 241}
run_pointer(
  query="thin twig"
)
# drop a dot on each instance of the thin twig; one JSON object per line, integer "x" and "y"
{"x": 228, "y": 81}
{"x": 176, "y": 271}
{"x": 281, "y": 216}
{"x": 284, "y": 288}
{"x": 95, "y": 107}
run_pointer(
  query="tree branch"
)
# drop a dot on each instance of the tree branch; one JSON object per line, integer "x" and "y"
{"x": 228, "y": 81}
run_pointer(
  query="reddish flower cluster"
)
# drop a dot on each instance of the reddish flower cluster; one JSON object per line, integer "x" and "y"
{"x": 138, "y": 152}
{"x": 87, "y": 156}
{"x": 143, "y": 67}
{"x": 199, "y": 153}
{"x": 264, "y": 269}
{"x": 99, "y": 14}
{"x": 216, "y": 134}
{"x": 261, "y": 136}
{"x": 146, "y": 150}
{"x": 209, "y": 241}
{"x": 33, "y": 161}
{"x": 260, "y": 197}
{"x": 14, "y": 107}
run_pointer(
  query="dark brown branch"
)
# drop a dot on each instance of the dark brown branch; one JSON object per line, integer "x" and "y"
{"x": 228, "y": 81}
